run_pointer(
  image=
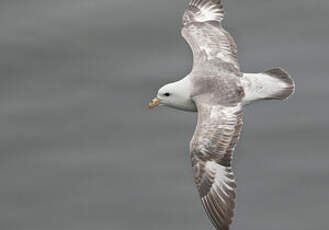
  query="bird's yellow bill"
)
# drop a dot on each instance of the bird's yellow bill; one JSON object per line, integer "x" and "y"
{"x": 155, "y": 102}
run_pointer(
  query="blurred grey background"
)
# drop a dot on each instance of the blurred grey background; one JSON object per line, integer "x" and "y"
{"x": 81, "y": 151}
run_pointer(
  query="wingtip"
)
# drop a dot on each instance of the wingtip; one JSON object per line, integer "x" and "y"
{"x": 211, "y": 10}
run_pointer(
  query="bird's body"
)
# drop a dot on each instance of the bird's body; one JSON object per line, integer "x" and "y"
{"x": 217, "y": 90}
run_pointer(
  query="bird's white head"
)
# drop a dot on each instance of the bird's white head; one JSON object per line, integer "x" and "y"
{"x": 176, "y": 95}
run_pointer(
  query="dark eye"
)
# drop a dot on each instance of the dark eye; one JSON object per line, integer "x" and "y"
{"x": 166, "y": 94}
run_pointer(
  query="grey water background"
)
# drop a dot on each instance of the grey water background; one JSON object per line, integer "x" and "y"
{"x": 79, "y": 150}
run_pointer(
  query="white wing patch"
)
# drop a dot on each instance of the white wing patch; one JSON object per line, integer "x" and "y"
{"x": 221, "y": 178}
{"x": 218, "y": 202}
{"x": 208, "y": 10}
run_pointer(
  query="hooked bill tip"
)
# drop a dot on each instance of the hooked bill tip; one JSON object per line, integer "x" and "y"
{"x": 156, "y": 101}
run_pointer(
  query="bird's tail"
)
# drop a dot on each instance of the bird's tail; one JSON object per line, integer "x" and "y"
{"x": 272, "y": 84}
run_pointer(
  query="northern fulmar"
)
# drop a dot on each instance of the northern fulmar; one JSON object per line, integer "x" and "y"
{"x": 217, "y": 90}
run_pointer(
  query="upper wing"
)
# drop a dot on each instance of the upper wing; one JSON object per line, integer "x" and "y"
{"x": 203, "y": 32}
{"x": 212, "y": 145}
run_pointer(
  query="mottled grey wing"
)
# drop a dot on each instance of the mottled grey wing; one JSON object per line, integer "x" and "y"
{"x": 204, "y": 33}
{"x": 212, "y": 145}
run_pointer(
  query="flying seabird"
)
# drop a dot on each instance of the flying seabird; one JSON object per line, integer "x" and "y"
{"x": 217, "y": 90}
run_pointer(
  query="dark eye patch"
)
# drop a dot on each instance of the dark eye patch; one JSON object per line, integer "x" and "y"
{"x": 166, "y": 94}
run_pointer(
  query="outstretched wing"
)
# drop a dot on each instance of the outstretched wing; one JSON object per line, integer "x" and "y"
{"x": 204, "y": 33}
{"x": 212, "y": 145}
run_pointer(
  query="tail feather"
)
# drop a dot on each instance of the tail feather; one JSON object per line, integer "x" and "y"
{"x": 272, "y": 84}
